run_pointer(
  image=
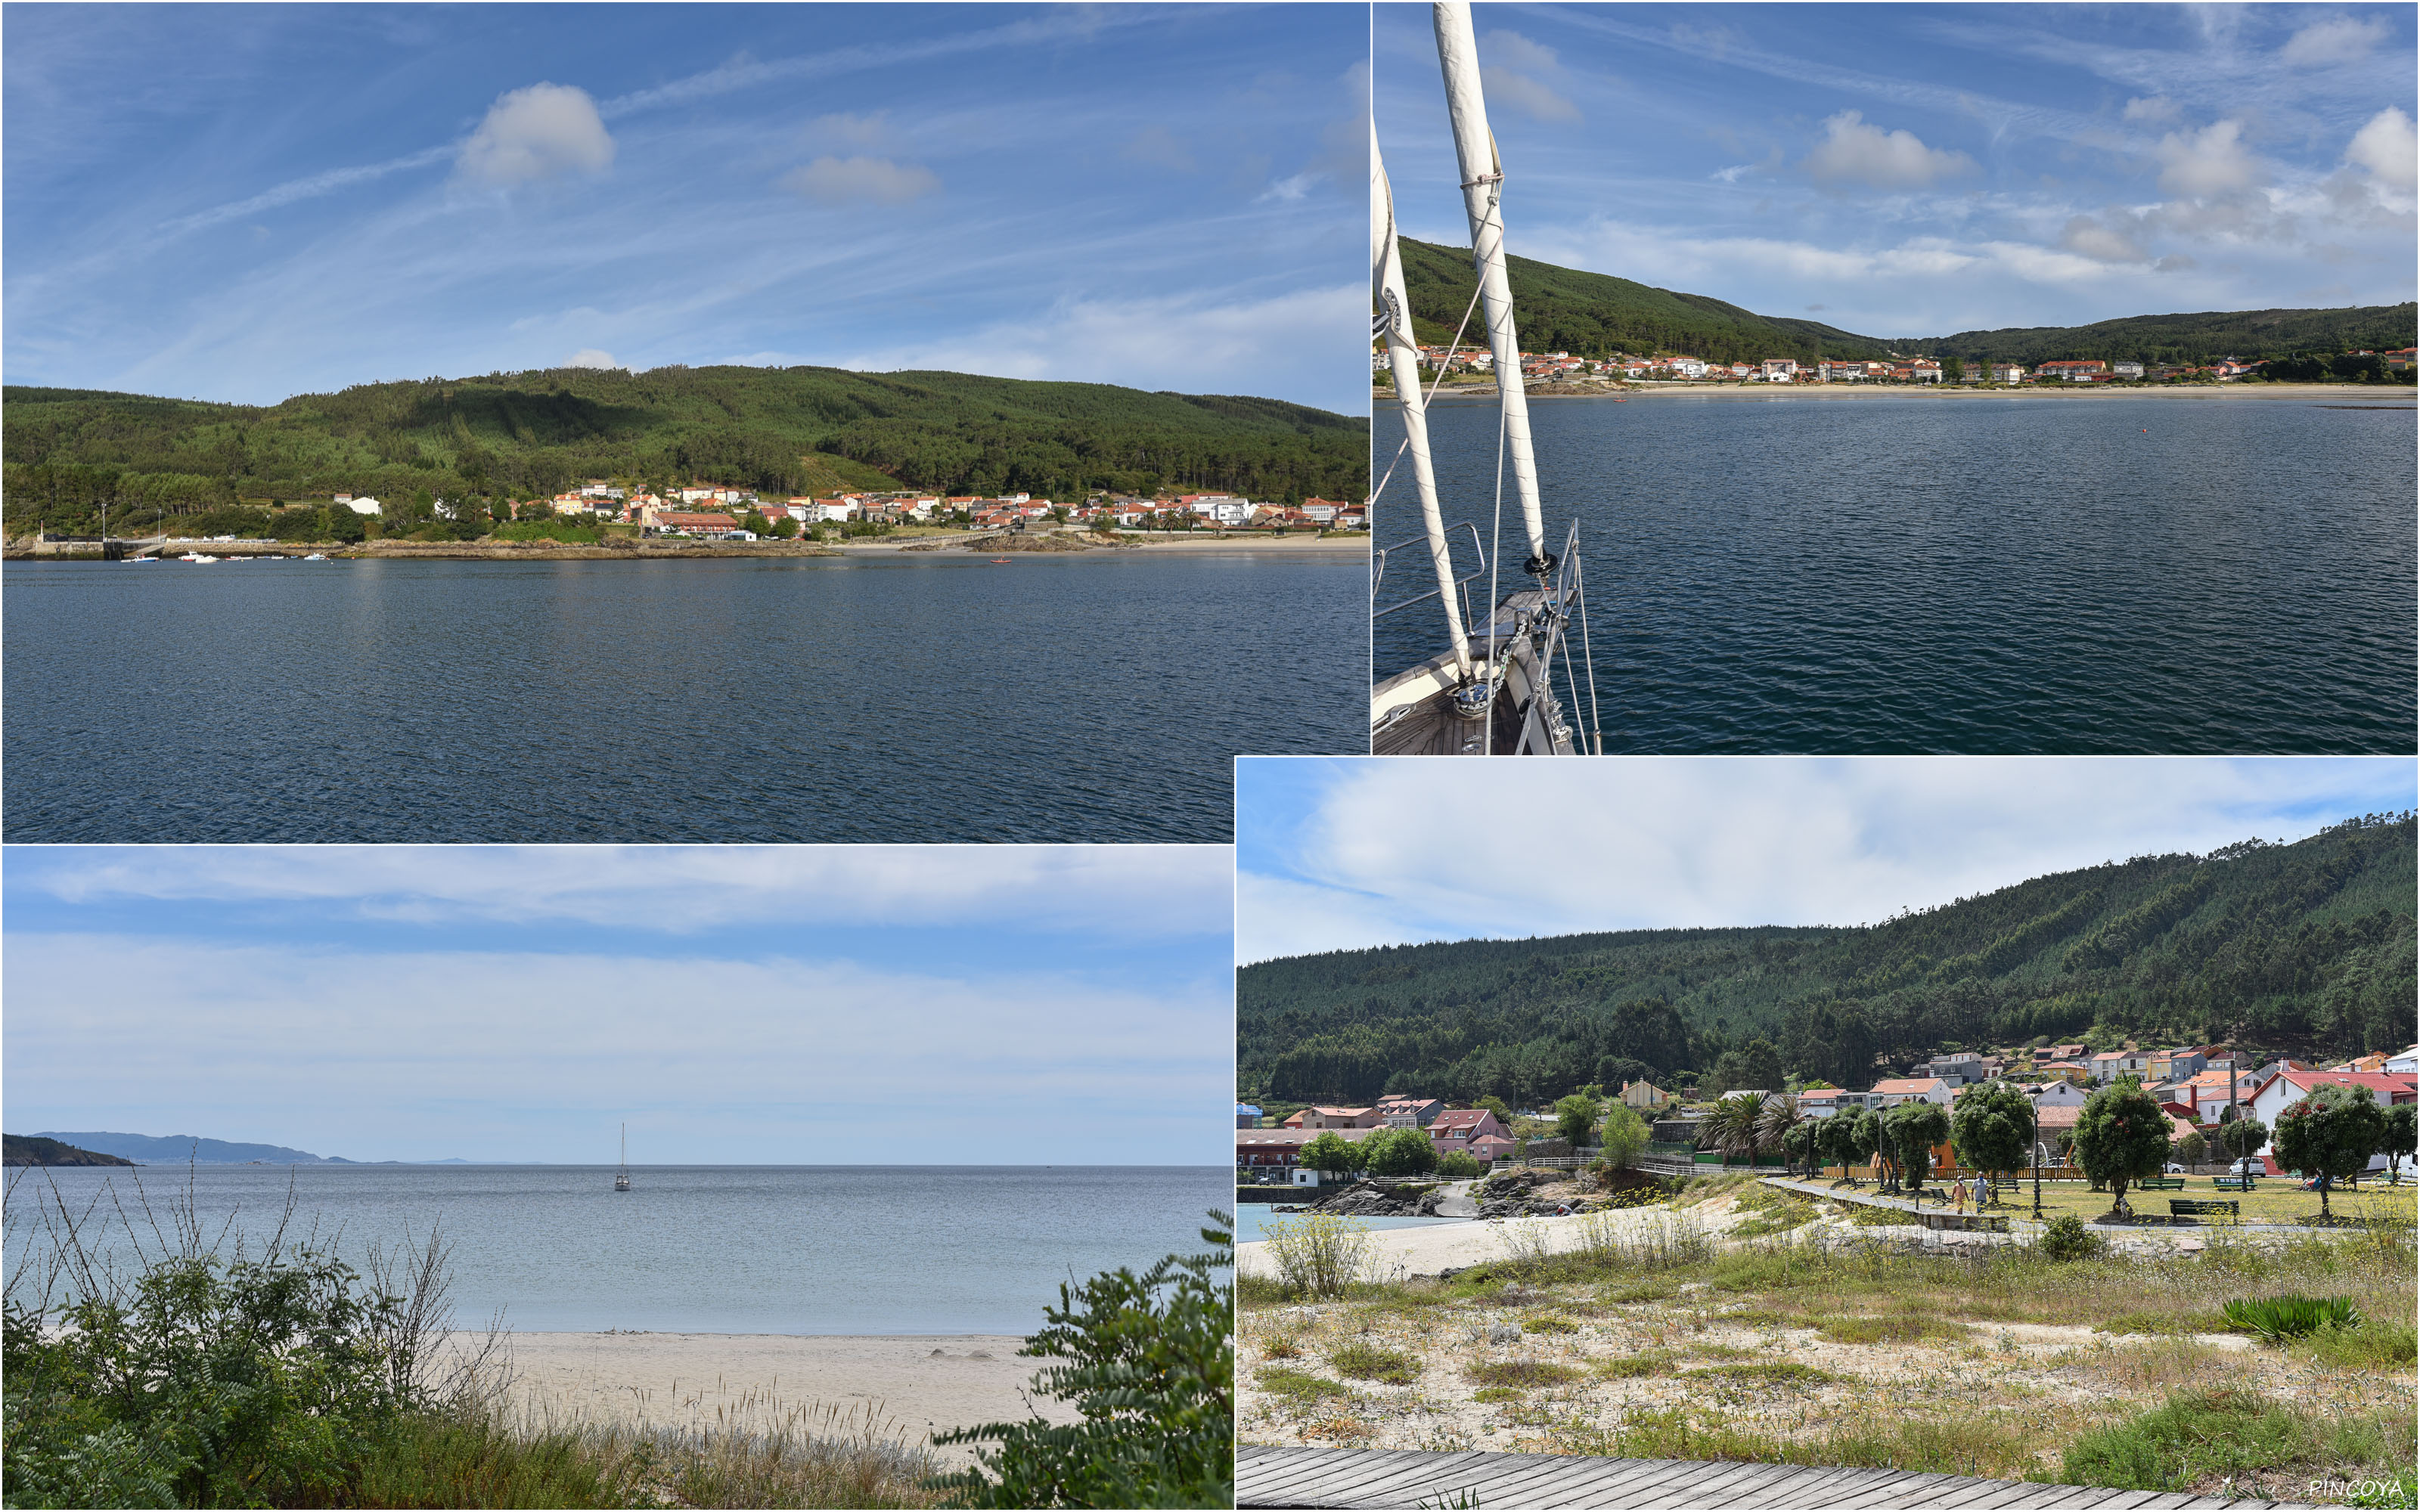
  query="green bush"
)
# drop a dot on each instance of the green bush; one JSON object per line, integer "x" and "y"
{"x": 2279, "y": 1318}
{"x": 2065, "y": 1238}
{"x": 1154, "y": 1376}
{"x": 2193, "y": 1436}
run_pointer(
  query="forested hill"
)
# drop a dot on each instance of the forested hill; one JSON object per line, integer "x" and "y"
{"x": 786, "y": 431}
{"x": 2305, "y": 949}
{"x": 1596, "y": 315}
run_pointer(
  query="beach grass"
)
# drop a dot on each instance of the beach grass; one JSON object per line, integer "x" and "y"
{"x": 1841, "y": 1347}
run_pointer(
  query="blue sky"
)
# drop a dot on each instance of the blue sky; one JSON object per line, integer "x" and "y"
{"x": 735, "y": 1004}
{"x": 1917, "y": 170}
{"x": 1337, "y": 853}
{"x": 246, "y": 202}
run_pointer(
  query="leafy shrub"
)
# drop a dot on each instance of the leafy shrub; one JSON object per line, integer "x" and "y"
{"x": 2065, "y": 1238}
{"x": 2374, "y": 1346}
{"x": 1548, "y": 1323}
{"x": 1319, "y": 1253}
{"x": 1767, "y": 1373}
{"x": 1645, "y": 1363}
{"x": 2279, "y": 1318}
{"x": 1154, "y": 1375}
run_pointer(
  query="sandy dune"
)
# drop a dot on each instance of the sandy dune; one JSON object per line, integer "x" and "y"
{"x": 924, "y": 1385}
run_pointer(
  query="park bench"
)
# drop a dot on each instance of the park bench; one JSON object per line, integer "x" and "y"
{"x": 2235, "y": 1183}
{"x": 2201, "y": 1208}
{"x": 2161, "y": 1183}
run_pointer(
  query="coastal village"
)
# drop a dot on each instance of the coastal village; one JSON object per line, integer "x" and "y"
{"x": 1557, "y": 366}
{"x": 2198, "y": 1088}
{"x": 720, "y": 511}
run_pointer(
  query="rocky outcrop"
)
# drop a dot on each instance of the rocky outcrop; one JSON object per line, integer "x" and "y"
{"x": 1372, "y": 1199}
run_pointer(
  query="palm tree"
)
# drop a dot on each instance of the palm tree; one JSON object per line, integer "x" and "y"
{"x": 1732, "y": 1129}
{"x": 1773, "y": 1118}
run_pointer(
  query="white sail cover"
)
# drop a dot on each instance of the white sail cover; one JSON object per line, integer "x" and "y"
{"x": 1393, "y": 327}
{"x": 1482, "y": 175}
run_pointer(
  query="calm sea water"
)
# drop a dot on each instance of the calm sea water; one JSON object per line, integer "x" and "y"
{"x": 2177, "y": 574}
{"x": 1251, "y": 1217}
{"x": 1095, "y": 697}
{"x": 757, "y": 1249}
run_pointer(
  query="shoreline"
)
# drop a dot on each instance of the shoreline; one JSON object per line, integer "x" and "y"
{"x": 913, "y": 1386}
{"x": 1358, "y": 544}
{"x": 2391, "y": 395}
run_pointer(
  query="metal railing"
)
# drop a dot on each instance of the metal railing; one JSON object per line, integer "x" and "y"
{"x": 1461, "y": 584}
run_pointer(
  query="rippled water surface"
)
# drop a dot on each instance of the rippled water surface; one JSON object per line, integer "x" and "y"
{"x": 1096, "y": 697}
{"x": 718, "y": 1249}
{"x": 2110, "y": 573}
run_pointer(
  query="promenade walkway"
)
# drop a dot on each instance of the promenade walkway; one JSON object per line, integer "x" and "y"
{"x": 1268, "y": 1476}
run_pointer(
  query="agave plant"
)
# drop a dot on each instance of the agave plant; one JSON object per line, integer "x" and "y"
{"x": 2279, "y": 1318}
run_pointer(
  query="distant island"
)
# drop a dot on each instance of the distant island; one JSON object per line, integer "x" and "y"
{"x": 110, "y": 1149}
{"x": 37, "y": 1149}
{"x": 1597, "y": 314}
{"x": 456, "y": 459}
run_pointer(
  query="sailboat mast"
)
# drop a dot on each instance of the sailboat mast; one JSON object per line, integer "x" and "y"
{"x": 1394, "y": 328}
{"x": 1483, "y": 179}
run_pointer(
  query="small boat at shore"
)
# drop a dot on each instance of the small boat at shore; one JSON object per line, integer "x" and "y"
{"x": 316, "y": 556}
{"x": 1000, "y": 561}
{"x": 196, "y": 556}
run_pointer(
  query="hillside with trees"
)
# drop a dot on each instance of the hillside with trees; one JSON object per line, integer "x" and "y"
{"x": 1596, "y": 315}
{"x": 791, "y": 430}
{"x": 2304, "y": 949}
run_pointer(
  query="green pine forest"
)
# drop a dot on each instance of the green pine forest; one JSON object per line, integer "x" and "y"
{"x": 778, "y": 430}
{"x": 1596, "y": 315}
{"x": 2303, "y": 949}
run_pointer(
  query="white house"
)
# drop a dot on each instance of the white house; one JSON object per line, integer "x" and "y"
{"x": 1780, "y": 370}
{"x": 1689, "y": 367}
{"x": 2062, "y": 1093}
{"x": 2291, "y": 1086}
{"x": 1911, "y": 1089}
{"x": 2406, "y": 1064}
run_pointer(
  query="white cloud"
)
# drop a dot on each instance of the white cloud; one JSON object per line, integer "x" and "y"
{"x": 2154, "y": 108}
{"x": 2103, "y": 243}
{"x": 860, "y": 180}
{"x": 2385, "y": 146}
{"x": 2208, "y": 162}
{"x": 1293, "y": 188}
{"x": 1515, "y": 50}
{"x": 1677, "y": 842}
{"x": 1852, "y": 152}
{"x": 720, "y": 885}
{"x": 543, "y": 132}
{"x": 590, "y": 357}
{"x": 2339, "y": 39}
{"x": 1518, "y": 91}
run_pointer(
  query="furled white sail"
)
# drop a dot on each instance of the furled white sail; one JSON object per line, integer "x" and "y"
{"x": 1393, "y": 327}
{"x": 1482, "y": 176}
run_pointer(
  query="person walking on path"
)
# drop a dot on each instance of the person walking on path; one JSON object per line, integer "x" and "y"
{"x": 1957, "y": 1195}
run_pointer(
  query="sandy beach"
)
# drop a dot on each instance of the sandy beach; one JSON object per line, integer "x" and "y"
{"x": 923, "y": 1384}
{"x": 1434, "y": 1247}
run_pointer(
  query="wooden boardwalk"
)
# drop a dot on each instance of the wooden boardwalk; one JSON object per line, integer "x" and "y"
{"x": 1267, "y": 1476}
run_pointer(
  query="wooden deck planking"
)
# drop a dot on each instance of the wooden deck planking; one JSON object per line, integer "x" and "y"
{"x": 1290, "y": 1476}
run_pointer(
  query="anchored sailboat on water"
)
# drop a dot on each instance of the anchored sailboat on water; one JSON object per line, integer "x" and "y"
{"x": 622, "y": 1175}
{"x": 1492, "y": 692}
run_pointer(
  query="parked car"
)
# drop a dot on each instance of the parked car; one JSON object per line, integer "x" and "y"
{"x": 2175, "y": 1169}
{"x": 2249, "y": 1166}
